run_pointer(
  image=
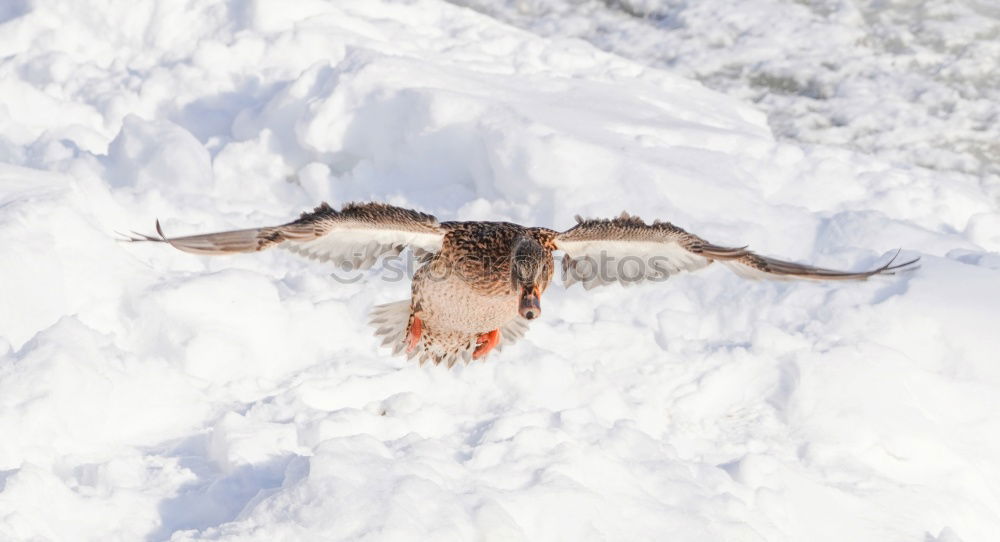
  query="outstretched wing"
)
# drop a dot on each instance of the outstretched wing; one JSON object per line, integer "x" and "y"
{"x": 627, "y": 250}
{"x": 359, "y": 233}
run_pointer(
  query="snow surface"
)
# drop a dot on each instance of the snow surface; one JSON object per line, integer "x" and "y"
{"x": 148, "y": 394}
{"x": 913, "y": 81}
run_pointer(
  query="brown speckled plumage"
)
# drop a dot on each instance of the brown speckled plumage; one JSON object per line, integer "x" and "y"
{"x": 466, "y": 288}
{"x": 480, "y": 277}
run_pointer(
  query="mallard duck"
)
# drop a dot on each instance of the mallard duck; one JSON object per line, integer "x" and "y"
{"x": 480, "y": 283}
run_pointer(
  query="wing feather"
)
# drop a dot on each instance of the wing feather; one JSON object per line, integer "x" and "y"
{"x": 628, "y": 251}
{"x": 358, "y": 234}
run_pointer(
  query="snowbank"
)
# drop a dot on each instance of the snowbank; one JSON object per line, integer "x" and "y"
{"x": 151, "y": 394}
{"x": 914, "y": 82}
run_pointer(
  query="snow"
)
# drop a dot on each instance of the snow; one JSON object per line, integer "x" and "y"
{"x": 915, "y": 82}
{"x": 149, "y": 394}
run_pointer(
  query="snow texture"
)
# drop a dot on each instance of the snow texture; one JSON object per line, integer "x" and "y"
{"x": 148, "y": 394}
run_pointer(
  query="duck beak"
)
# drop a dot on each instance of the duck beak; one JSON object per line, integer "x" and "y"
{"x": 530, "y": 307}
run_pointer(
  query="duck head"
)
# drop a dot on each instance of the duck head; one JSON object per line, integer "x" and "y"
{"x": 528, "y": 275}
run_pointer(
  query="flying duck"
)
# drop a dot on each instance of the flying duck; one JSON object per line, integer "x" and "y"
{"x": 480, "y": 283}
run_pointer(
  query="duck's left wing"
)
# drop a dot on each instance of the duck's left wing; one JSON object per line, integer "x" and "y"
{"x": 358, "y": 233}
{"x": 628, "y": 251}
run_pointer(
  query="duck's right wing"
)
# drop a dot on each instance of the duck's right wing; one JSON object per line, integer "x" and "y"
{"x": 359, "y": 233}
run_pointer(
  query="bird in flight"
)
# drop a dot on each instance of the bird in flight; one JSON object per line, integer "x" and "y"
{"x": 480, "y": 283}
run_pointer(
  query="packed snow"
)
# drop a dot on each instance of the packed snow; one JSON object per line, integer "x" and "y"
{"x": 149, "y": 394}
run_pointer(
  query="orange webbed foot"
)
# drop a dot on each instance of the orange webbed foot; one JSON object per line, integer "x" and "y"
{"x": 485, "y": 343}
{"x": 413, "y": 338}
